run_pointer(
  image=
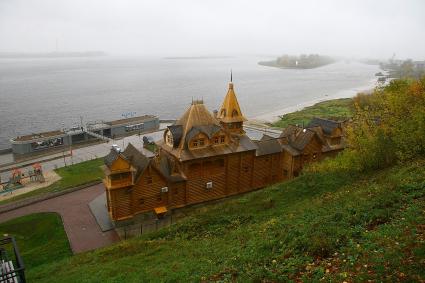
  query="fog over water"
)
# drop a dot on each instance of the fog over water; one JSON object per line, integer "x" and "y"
{"x": 44, "y": 94}
{"x": 363, "y": 28}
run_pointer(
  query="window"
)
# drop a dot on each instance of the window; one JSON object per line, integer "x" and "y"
{"x": 201, "y": 142}
{"x": 235, "y": 113}
{"x": 222, "y": 139}
{"x": 134, "y": 127}
{"x": 195, "y": 143}
{"x": 169, "y": 138}
{"x": 209, "y": 185}
{"x": 141, "y": 201}
{"x": 120, "y": 176}
{"x": 216, "y": 140}
{"x": 149, "y": 180}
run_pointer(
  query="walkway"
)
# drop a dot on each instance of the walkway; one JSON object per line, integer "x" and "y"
{"x": 83, "y": 232}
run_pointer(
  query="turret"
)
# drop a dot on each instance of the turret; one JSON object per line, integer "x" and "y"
{"x": 230, "y": 114}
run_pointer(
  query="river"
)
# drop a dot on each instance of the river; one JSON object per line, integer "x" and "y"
{"x": 45, "y": 94}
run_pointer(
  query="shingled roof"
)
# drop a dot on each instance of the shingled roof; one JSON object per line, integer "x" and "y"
{"x": 243, "y": 143}
{"x": 137, "y": 159}
{"x": 163, "y": 164}
{"x": 268, "y": 146}
{"x": 302, "y": 139}
{"x": 298, "y": 138}
{"x": 327, "y": 125}
{"x": 196, "y": 117}
{"x": 209, "y": 130}
{"x": 230, "y": 112}
{"x": 177, "y": 132}
{"x": 111, "y": 157}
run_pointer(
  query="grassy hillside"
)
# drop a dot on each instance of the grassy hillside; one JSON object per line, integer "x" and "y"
{"x": 71, "y": 176}
{"x": 339, "y": 109}
{"x": 358, "y": 217}
{"x": 336, "y": 225}
{"x": 40, "y": 237}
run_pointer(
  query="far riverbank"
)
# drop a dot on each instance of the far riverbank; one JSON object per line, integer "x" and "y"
{"x": 275, "y": 116}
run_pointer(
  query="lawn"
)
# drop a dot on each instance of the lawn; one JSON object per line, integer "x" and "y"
{"x": 40, "y": 237}
{"x": 338, "y": 109}
{"x": 335, "y": 225}
{"x": 71, "y": 176}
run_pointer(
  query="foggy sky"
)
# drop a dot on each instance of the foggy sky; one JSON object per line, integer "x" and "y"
{"x": 202, "y": 27}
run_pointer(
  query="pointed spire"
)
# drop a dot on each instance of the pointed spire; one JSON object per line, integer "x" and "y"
{"x": 230, "y": 111}
{"x": 231, "y": 76}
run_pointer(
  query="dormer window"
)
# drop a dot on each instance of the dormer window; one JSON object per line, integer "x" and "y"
{"x": 223, "y": 112}
{"x": 201, "y": 142}
{"x": 235, "y": 113}
{"x": 222, "y": 139}
{"x": 169, "y": 139}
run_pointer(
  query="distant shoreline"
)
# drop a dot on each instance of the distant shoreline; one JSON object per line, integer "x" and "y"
{"x": 23, "y": 55}
{"x": 274, "y": 116}
{"x": 196, "y": 57}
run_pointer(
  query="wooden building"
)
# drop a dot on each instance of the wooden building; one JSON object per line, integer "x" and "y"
{"x": 205, "y": 156}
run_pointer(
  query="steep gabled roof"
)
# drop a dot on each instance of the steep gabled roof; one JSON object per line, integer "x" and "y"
{"x": 298, "y": 138}
{"x": 177, "y": 132}
{"x": 230, "y": 111}
{"x": 327, "y": 125}
{"x": 290, "y": 131}
{"x": 164, "y": 166}
{"x": 243, "y": 143}
{"x": 302, "y": 139}
{"x": 268, "y": 146}
{"x": 196, "y": 117}
{"x": 137, "y": 159}
{"x": 111, "y": 157}
{"x": 209, "y": 130}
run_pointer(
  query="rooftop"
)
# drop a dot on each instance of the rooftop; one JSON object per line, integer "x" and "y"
{"x": 37, "y": 136}
{"x": 131, "y": 120}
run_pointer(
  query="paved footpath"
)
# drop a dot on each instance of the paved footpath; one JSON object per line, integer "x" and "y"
{"x": 83, "y": 232}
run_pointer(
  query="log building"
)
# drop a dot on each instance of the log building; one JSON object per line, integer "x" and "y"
{"x": 205, "y": 156}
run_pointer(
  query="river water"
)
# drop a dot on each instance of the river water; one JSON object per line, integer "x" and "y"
{"x": 46, "y": 94}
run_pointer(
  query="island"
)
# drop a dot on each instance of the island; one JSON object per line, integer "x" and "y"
{"x": 299, "y": 62}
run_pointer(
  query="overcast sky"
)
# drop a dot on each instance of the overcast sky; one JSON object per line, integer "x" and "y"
{"x": 216, "y": 27}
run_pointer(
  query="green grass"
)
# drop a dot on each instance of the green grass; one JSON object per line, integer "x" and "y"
{"x": 336, "y": 225}
{"x": 71, "y": 176}
{"x": 40, "y": 237}
{"x": 331, "y": 109}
